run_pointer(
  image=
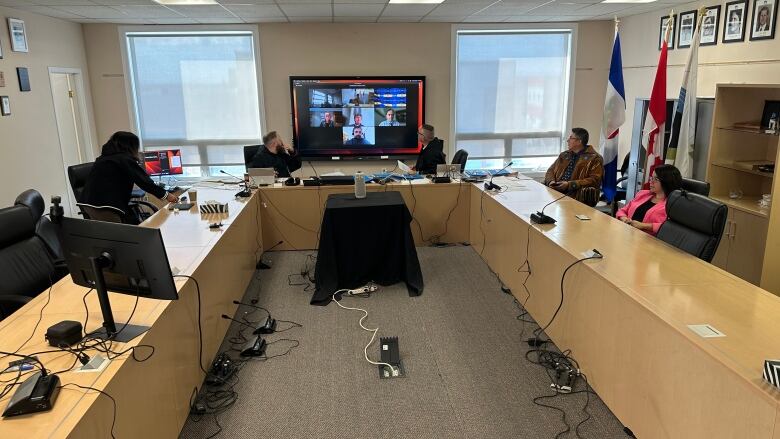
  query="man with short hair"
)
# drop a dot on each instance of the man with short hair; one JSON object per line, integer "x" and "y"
{"x": 328, "y": 122}
{"x": 357, "y": 137}
{"x": 389, "y": 120}
{"x": 358, "y": 120}
{"x": 276, "y": 154}
{"x": 577, "y": 171}
{"x": 432, "y": 153}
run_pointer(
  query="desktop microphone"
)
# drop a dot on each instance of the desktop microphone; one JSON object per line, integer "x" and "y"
{"x": 489, "y": 186}
{"x": 251, "y": 305}
{"x": 254, "y": 329}
{"x": 244, "y": 193}
{"x": 234, "y": 176}
{"x": 540, "y": 218}
{"x": 36, "y": 394}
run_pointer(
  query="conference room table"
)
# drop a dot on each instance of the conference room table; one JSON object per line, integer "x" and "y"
{"x": 625, "y": 317}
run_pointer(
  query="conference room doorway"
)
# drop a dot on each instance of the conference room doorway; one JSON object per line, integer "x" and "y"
{"x": 67, "y": 89}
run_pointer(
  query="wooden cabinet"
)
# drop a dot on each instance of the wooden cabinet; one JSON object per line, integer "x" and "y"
{"x": 748, "y": 248}
{"x": 739, "y": 251}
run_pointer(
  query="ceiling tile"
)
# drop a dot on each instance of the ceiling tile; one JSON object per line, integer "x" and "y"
{"x": 64, "y": 3}
{"x": 453, "y": 10}
{"x": 407, "y": 10}
{"x": 353, "y": 10}
{"x": 14, "y": 3}
{"x": 48, "y": 11}
{"x": 265, "y": 20}
{"x": 255, "y": 10}
{"x": 500, "y": 10}
{"x": 444, "y": 19}
{"x": 118, "y": 2}
{"x": 601, "y": 9}
{"x": 359, "y": 1}
{"x": 527, "y": 18}
{"x": 312, "y": 19}
{"x": 307, "y": 10}
{"x": 126, "y": 21}
{"x": 203, "y": 11}
{"x": 386, "y": 19}
{"x": 139, "y": 11}
{"x": 219, "y": 20}
{"x": 246, "y": 2}
{"x": 92, "y": 11}
{"x": 173, "y": 20}
{"x": 484, "y": 19}
{"x": 355, "y": 19}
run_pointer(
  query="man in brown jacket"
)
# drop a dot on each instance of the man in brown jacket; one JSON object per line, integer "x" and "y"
{"x": 578, "y": 171}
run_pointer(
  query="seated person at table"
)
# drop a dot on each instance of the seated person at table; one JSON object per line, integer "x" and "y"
{"x": 647, "y": 211}
{"x": 276, "y": 154}
{"x": 432, "y": 153}
{"x": 577, "y": 172}
{"x": 111, "y": 180}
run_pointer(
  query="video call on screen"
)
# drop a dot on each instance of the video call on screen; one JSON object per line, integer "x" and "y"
{"x": 356, "y": 117}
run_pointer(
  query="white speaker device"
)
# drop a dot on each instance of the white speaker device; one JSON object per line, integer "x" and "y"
{"x": 772, "y": 372}
{"x": 360, "y": 185}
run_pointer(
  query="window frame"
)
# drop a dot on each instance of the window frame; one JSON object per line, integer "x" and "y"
{"x": 198, "y": 30}
{"x": 513, "y": 28}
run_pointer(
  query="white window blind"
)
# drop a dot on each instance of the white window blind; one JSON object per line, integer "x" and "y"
{"x": 512, "y": 91}
{"x": 196, "y": 92}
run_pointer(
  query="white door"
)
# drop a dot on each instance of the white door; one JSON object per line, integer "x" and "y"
{"x": 69, "y": 113}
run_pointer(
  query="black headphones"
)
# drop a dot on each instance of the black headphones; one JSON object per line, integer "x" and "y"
{"x": 292, "y": 181}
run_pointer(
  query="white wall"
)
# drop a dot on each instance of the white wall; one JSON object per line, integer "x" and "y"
{"x": 750, "y": 62}
{"x": 30, "y": 154}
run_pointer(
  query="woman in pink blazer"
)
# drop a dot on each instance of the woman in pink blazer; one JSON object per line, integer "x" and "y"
{"x": 647, "y": 211}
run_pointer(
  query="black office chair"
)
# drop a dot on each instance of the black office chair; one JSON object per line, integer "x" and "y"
{"x": 460, "y": 158}
{"x": 107, "y": 214}
{"x": 249, "y": 153}
{"x": 44, "y": 228}
{"x": 696, "y": 186}
{"x": 27, "y": 267}
{"x": 694, "y": 224}
{"x": 78, "y": 175}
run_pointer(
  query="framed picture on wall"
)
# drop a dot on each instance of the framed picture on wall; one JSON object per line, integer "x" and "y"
{"x": 670, "y": 43}
{"x": 5, "y": 105}
{"x": 18, "y": 35}
{"x": 764, "y": 20}
{"x": 709, "y": 26}
{"x": 734, "y": 20}
{"x": 687, "y": 22}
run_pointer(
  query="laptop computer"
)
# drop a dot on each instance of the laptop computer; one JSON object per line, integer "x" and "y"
{"x": 262, "y": 176}
{"x": 452, "y": 171}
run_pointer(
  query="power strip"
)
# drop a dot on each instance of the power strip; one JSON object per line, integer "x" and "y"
{"x": 364, "y": 290}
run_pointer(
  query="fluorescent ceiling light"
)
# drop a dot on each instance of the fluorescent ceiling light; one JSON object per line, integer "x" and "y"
{"x": 629, "y": 1}
{"x": 186, "y": 2}
{"x": 418, "y": 2}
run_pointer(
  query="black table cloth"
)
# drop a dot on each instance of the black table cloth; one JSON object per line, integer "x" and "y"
{"x": 365, "y": 240}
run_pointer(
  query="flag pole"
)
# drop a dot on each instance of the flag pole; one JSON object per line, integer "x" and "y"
{"x": 669, "y": 24}
{"x": 617, "y": 24}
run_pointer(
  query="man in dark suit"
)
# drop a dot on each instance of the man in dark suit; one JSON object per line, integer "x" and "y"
{"x": 276, "y": 154}
{"x": 432, "y": 153}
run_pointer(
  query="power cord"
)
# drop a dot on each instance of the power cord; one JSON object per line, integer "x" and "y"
{"x": 200, "y": 325}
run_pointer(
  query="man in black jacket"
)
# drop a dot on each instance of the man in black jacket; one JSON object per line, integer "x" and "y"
{"x": 432, "y": 153}
{"x": 276, "y": 154}
{"x": 110, "y": 183}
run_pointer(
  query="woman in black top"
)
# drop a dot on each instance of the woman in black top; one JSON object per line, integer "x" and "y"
{"x": 111, "y": 180}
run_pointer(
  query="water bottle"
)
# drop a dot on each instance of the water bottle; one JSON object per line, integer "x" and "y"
{"x": 360, "y": 185}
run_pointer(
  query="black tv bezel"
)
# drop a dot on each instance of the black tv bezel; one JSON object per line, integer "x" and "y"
{"x": 330, "y": 157}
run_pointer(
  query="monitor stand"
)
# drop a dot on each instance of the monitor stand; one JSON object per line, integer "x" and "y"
{"x": 109, "y": 330}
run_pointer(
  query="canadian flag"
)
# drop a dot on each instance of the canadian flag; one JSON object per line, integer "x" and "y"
{"x": 655, "y": 121}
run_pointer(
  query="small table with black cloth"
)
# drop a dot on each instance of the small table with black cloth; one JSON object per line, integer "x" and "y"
{"x": 365, "y": 240}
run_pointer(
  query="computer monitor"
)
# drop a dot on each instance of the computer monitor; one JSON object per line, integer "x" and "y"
{"x": 163, "y": 162}
{"x": 120, "y": 258}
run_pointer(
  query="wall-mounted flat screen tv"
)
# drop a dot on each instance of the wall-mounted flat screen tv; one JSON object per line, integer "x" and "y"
{"x": 366, "y": 117}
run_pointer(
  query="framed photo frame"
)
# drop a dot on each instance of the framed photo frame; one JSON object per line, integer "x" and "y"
{"x": 18, "y": 35}
{"x": 5, "y": 106}
{"x": 709, "y": 26}
{"x": 662, "y": 29}
{"x": 687, "y": 23}
{"x": 764, "y": 21}
{"x": 734, "y": 21}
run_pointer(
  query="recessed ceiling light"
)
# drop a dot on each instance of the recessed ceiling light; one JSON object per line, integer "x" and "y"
{"x": 186, "y": 2}
{"x": 628, "y": 1}
{"x": 407, "y": 2}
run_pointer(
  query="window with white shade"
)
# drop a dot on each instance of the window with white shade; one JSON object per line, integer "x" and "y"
{"x": 198, "y": 92}
{"x": 512, "y": 95}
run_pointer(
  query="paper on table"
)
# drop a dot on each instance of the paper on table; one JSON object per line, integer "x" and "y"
{"x": 405, "y": 169}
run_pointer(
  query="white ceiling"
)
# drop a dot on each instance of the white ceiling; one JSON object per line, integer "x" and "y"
{"x": 265, "y": 11}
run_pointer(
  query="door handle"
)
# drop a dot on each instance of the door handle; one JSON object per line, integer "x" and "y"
{"x": 727, "y": 229}
{"x": 733, "y": 230}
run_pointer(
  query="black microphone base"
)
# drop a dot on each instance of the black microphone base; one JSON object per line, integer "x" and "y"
{"x": 490, "y": 186}
{"x": 254, "y": 348}
{"x": 540, "y": 218}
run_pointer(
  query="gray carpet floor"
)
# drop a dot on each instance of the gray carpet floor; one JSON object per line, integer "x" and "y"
{"x": 461, "y": 345}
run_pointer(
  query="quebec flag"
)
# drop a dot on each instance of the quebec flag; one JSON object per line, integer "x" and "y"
{"x": 614, "y": 116}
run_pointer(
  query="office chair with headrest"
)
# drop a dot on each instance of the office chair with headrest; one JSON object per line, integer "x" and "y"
{"x": 26, "y": 265}
{"x": 460, "y": 158}
{"x": 44, "y": 228}
{"x": 107, "y": 214}
{"x": 696, "y": 186}
{"x": 249, "y": 154}
{"x": 694, "y": 224}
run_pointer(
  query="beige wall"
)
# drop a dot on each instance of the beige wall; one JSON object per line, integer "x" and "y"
{"x": 303, "y": 49}
{"x": 30, "y": 153}
{"x": 752, "y": 62}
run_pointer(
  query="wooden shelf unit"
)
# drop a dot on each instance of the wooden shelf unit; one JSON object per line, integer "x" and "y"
{"x": 750, "y": 247}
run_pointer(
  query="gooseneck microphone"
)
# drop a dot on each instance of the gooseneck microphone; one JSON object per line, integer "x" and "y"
{"x": 243, "y": 193}
{"x": 254, "y": 329}
{"x": 489, "y": 186}
{"x": 234, "y": 176}
{"x": 540, "y": 218}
